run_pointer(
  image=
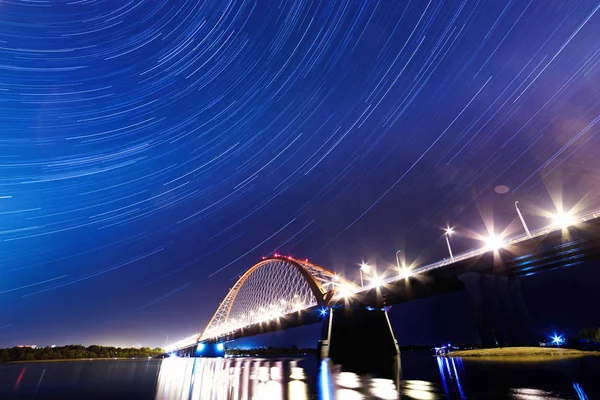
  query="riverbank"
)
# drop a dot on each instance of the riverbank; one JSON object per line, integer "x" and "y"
{"x": 75, "y": 352}
{"x": 522, "y": 353}
{"x": 60, "y": 360}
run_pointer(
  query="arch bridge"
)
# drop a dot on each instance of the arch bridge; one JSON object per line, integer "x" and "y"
{"x": 277, "y": 293}
{"x": 283, "y": 292}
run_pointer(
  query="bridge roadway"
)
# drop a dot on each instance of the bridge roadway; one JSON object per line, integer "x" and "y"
{"x": 546, "y": 249}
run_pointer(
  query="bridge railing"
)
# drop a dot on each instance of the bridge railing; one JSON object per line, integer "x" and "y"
{"x": 480, "y": 251}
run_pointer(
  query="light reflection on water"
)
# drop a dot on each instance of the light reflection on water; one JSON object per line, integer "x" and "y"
{"x": 423, "y": 377}
{"x": 250, "y": 379}
{"x": 257, "y": 379}
{"x": 227, "y": 378}
{"x": 451, "y": 370}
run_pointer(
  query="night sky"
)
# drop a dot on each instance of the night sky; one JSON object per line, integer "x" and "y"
{"x": 151, "y": 151}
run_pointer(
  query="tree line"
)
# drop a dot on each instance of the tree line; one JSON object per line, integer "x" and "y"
{"x": 590, "y": 335}
{"x": 74, "y": 352}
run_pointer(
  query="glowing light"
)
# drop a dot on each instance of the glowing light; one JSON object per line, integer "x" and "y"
{"x": 297, "y": 373}
{"x": 383, "y": 389}
{"x": 348, "y": 380}
{"x": 275, "y": 373}
{"x": 419, "y": 394}
{"x": 323, "y": 311}
{"x": 558, "y": 340}
{"x": 580, "y": 393}
{"x": 449, "y": 231}
{"x": 365, "y": 267}
{"x": 263, "y": 374}
{"x": 376, "y": 281}
{"x": 220, "y": 347}
{"x": 297, "y": 390}
{"x": 563, "y": 220}
{"x": 344, "y": 292}
{"x": 326, "y": 387}
{"x": 405, "y": 273}
{"x": 494, "y": 242}
{"x": 419, "y": 385}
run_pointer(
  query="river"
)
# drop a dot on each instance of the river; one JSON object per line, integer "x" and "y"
{"x": 422, "y": 377}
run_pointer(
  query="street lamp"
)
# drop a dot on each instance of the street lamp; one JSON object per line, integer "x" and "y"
{"x": 494, "y": 242}
{"x": 397, "y": 259}
{"x": 522, "y": 219}
{"x": 363, "y": 267}
{"x": 448, "y": 233}
{"x": 563, "y": 220}
{"x": 403, "y": 272}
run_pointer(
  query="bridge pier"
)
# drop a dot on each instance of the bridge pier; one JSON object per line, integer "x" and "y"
{"x": 361, "y": 340}
{"x": 500, "y": 313}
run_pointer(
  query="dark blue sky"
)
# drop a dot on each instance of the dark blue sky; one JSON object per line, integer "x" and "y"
{"x": 151, "y": 151}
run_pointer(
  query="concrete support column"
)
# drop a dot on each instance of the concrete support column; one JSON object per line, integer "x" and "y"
{"x": 323, "y": 345}
{"x": 494, "y": 312}
{"x": 511, "y": 329}
{"x": 500, "y": 313}
{"x": 525, "y": 334}
{"x": 361, "y": 340}
{"x": 472, "y": 282}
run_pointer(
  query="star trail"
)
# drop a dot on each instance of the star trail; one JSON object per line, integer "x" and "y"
{"x": 151, "y": 151}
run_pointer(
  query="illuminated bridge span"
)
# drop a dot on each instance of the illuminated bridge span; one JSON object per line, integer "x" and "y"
{"x": 282, "y": 292}
{"x": 276, "y": 288}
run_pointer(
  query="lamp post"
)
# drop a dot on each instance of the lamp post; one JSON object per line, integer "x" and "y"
{"x": 403, "y": 272}
{"x": 522, "y": 219}
{"x": 365, "y": 267}
{"x": 448, "y": 233}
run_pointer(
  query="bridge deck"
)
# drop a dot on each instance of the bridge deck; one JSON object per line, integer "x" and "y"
{"x": 547, "y": 249}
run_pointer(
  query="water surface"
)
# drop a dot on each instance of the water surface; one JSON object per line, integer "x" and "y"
{"x": 422, "y": 377}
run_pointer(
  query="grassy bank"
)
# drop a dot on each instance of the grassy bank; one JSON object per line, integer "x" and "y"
{"x": 522, "y": 353}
